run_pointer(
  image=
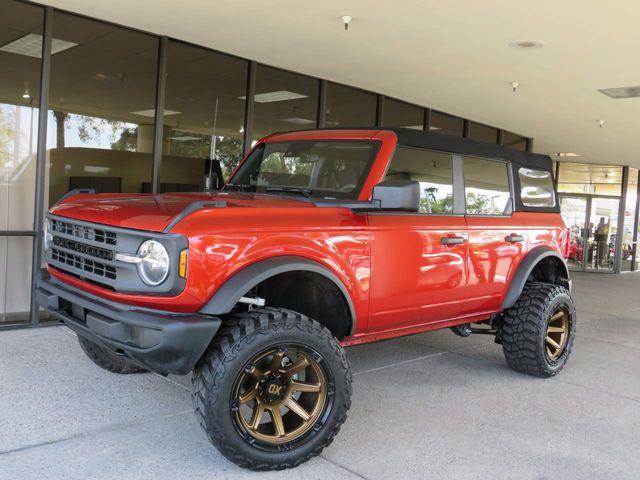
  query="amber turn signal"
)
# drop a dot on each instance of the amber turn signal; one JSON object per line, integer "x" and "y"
{"x": 183, "y": 263}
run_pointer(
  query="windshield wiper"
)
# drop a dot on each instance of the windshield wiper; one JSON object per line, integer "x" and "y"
{"x": 301, "y": 191}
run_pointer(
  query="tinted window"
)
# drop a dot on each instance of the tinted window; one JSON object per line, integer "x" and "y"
{"x": 204, "y": 115}
{"x": 349, "y": 107}
{"x": 283, "y": 101}
{"x": 321, "y": 168}
{"x": 446, "y": 124}
{"x": 483, "y": 133}
{"x": 401, "y": 114}
{"x": 515, "y": 141}
{"x": 433, "y": 171}
{"x": 536, "y": 188}
{"x": 486, "y": 187}
{"x": 101, "y": 117}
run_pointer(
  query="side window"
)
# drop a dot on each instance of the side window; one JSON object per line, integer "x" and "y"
{"x": 433, "y": 171}
{"x": 536, "y": 188}
{"x": 486, "y": 187}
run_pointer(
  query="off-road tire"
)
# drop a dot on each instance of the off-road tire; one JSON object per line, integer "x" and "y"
{"x": 107, "y": 360}
{"x": 241, "y": 337}
{"x": 524, "y": 329}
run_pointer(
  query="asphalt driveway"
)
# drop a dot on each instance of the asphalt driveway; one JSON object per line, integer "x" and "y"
{"x": 428, "y": 406}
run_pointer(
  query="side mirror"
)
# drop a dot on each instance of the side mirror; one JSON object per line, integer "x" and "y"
{"x": 401, "y": 195}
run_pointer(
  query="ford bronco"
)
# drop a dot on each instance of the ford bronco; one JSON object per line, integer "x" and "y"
{"x": 319, "y": 240}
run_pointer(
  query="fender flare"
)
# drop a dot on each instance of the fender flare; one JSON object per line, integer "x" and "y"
{"x": 524, "y": 270}
{"x": 226, "y": 297}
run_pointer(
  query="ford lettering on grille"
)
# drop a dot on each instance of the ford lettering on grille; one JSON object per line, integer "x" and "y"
{"x": 90, "y": 250}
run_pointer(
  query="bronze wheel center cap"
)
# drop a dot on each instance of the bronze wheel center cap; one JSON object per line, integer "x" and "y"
{"x": 272, "y": 388}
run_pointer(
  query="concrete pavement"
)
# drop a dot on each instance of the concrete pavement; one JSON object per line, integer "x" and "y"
{"x": 428, "y": 406}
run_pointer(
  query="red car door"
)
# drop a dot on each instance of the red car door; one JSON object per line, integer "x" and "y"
{"x": 496, "y": 242}
{"x": 418, "y": 258}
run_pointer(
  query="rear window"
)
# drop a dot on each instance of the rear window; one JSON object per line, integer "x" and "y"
{"x": 486, "y": 187}
{"x": 536, "y": 188}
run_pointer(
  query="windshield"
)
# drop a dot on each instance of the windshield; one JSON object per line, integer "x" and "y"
{"x": 318, "y": 168}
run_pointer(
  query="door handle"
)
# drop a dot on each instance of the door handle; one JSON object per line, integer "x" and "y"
{"x": 451, "y": 241}
{"x": 514, "y": 238}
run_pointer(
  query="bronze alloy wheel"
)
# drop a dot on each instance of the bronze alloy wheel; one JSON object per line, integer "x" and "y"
{"x": 557, "y": 333}
{"x": 280, "y": 395}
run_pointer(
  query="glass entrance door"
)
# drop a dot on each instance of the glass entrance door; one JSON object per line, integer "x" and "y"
{"x": 574, "y": 213}
{"x": 603, "y": 223}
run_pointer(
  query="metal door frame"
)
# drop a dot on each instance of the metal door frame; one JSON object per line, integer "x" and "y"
{"x": 588, "y": 197}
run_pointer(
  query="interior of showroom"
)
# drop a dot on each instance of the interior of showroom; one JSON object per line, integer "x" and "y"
{"x": 128, "y": 111}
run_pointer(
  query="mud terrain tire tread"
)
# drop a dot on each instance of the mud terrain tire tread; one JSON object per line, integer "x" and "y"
{"x": 237, "y": 334}
{"x": 524, "y": 328}
{"x": 108, "y": 360}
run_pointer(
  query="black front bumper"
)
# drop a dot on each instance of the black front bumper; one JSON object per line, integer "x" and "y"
{"x": 161, "y": 341}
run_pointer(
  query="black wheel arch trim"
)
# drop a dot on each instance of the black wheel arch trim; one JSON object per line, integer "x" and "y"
{"x": 524, "y": 270}
{"x": 227, "y": 296}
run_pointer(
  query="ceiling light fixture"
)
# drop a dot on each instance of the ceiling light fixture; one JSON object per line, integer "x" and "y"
{"x": 565, "y": 154}
{"x": 601, "y": 123}
{"x": 514, "y": 86}
{"x": 298, "y": 121}
{"x": 152, "y": 113}
{"x": 622, "y": 92}
{"x": 185, "y": 138}
{"x": 277, "y": 96}
{"x": 526, "y": 44}
{"x": 31, "y": 45}
{"x": 346, "y": 20}
{"x": 26, "y": 95}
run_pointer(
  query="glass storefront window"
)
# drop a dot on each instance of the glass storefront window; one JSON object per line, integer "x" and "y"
{"x": 603, "y": 225}
{"x": 284, "y": 101}
{"x": 483, "y": 133}
{"x": 574, "y": 213}
{"x": 19, "y": 93}
{"x": 349, "y": 107}
{"x": 401, "y": 114}
{"x": 446, "y": 124}
{"x": 20, "y": 57}
{"x": 204, "y": 116}
{"x": 101, "y": 116}
{"x": 589, "y": 179}
{"x": 515, "y": 141}
{"x": 629, "y": 243}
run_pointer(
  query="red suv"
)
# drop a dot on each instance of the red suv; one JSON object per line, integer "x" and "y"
{"x": 320, "y": 239}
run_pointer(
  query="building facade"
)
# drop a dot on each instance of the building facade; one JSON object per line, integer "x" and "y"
{"x": 89, "y": 104}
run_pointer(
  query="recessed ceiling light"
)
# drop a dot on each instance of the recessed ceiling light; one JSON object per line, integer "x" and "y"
{"x": 277, "y": 96}
{"x": 31, "y": 45}
{"x": 622, "y": 92}
{"x": 414, "y": 127}
{"x": 152, "y": 112}
{"x": 298, "y": 121}
{"x": 26, "y": 95}
{"x": 526, "y": 44}
{"x": 565, "y": 154}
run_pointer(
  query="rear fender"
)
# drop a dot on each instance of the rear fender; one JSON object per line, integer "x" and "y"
{"x": 525, "y": 269}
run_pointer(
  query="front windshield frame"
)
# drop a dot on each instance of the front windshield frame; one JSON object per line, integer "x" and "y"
{"x": 240, "y": 180}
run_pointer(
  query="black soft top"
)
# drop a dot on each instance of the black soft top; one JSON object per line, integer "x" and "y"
{"x": 446, "y": 143}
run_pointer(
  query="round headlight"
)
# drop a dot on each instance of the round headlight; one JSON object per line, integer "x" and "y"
{"x": 154, "y": 262}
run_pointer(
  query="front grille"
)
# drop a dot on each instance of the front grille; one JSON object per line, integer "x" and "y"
{"x": 84, "y": 264}
{"x": 90, "y": 250}
{"x": 88, "y": 233}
